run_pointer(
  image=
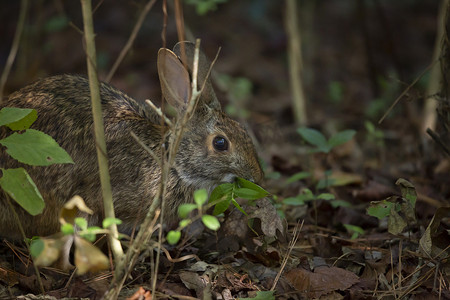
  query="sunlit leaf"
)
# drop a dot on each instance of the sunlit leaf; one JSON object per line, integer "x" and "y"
{"x": 211, "y": 222}
{"x": 200, "y": 197}
{"x": 35, "y": 148}
{"x": 173, "y": 236}
{"x": 17, "y": 118}
{"x": 185, "y": 209}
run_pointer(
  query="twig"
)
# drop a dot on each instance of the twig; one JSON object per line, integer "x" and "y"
{"x": 292, "y": 242}
{"x": 159, "y": 112}
{"x": 406, "y": 91}
{"x": 295, "y": 64}
{"x": 99, "y": 129}
{"x": 14, "y": 47}
{"x": 131, "y": 39}
{"x": 438, "y": 141}
{"x": 146, "y": 148}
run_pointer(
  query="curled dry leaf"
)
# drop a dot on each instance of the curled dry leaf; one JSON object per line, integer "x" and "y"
{"x": 71, "y": 209}
{"x": 436, "y": 239}
{"x": 266, "y": 212}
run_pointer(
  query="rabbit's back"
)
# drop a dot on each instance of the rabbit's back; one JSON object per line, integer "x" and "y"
{"x": 64, "y": 112}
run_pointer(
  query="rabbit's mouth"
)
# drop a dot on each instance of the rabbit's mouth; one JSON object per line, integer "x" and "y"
{"x": 228, "y": 178}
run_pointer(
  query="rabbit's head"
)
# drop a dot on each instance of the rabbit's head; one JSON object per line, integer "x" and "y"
{"x": 214, "y": 148}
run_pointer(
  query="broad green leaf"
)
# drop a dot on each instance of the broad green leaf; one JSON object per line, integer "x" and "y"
{"x": 173, "y": 237}
{"x": 35, "y": 148}
{"x": 408, "y": 191}
{"x": 82, "y": 223}
{"x": 211, "y": 222}
{"x": 380, "y": 209}
{"x": 326, "y": 196}
{"x": 36, "y": 247}
{"x": 298, "y": 176}
{"x": 249, "y": 194}
{"x": 222, "y": 206}
{"x": 17, "y": 118}
{"x": 19, "y": 185}
{"x": 185, "y": 209}
{"x": 220, "y": 191}
{"x": 109, "y": 221}
{"x": 243, "y": 183}
{"x": 200, "y": 197}
{"x": 341, "y": 138}
{"x": 314, "y": 137}
{"x": 295, "y": 201}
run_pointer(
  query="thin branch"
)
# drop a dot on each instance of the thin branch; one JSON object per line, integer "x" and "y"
{"x": 99, "y": 128}
{"x": 159, "y": 112}
{"x": 131, "y": 39}
{"x": 406, "y": 91}
{"x": 437, "y": 139}
{"x": 14, "y": 47}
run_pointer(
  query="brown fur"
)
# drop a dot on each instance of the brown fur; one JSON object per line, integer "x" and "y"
{"x": 64, "y": 112}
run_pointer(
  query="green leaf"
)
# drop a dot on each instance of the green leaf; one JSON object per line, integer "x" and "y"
{"x": 19, "y": 185}
{"x": 297, "y": 177}
{"x": 314, "y": 137}
{"x": 17, "y": 118}
{"x": 222, "y": 206}
{"x": 341, "y": 138}
{"x": 248, "y": 194}
{"x": 67, "y": 229}
{"x": 200, "y": 197}
{"x": 184, "y": 223}
{"x": 185, "y": 209}
{"x": 173, "y": 237}
{"x": 326, "y": 196}
{"x": 380, "y": 209}
{"x": 238, "y": 206}
{"x": 221, "y": 191}
{"x": 211, "y": 222}
{"x": 243, "y": 183}
{"x": 82, "y": 223}
{"x": 295, "y": 201}
{"x": 36, "y": 247}
{"x": 90, "y": 233}
{"x": 109, "y": 221}
{"x": 35, "y": 148}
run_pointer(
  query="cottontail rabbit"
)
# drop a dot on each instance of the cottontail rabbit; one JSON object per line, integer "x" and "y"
{"x": 213, "y": 149}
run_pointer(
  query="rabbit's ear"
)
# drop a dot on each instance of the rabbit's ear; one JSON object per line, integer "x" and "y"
{"x": 208, "y": 96}
{"x": 174, "y": 78}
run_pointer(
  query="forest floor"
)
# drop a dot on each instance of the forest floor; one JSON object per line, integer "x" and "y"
{"x": 319, "y": 226}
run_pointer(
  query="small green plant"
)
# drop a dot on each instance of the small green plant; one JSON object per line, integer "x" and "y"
{"x": 317, "y": 139}
{"x": 335, "y": 91}
{"x": 392, "y": 206}
{"x": 356, "y": 231}
{"x": 31, "y": 147}
{"x": 307, "y": 195}
{"x": 221, "y": 198}
{"x": 374, "y": 135}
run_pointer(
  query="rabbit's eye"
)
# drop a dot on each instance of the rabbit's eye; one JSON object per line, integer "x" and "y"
{"x": 220, "y": 143}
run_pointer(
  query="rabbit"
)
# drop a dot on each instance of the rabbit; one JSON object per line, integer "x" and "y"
{"x": 214, "y": 148}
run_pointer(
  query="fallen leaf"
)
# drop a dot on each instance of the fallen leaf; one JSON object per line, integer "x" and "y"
{"x": 89, "y": 258}
{"x": 322, "y": 281}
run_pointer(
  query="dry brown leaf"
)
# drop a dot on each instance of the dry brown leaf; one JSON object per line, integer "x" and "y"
{"x": 89, "y": 258}
{"x": 266, "y": 212}
{"x": 322, "y": 281}
{"x": 71, "y": 208}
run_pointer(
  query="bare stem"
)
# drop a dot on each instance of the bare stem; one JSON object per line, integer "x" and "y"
{"x": 14, "y": 47}
{"x": 131, "y": 39}
{"x": 99, "y": 128}
{"x": 295, "y": 63}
